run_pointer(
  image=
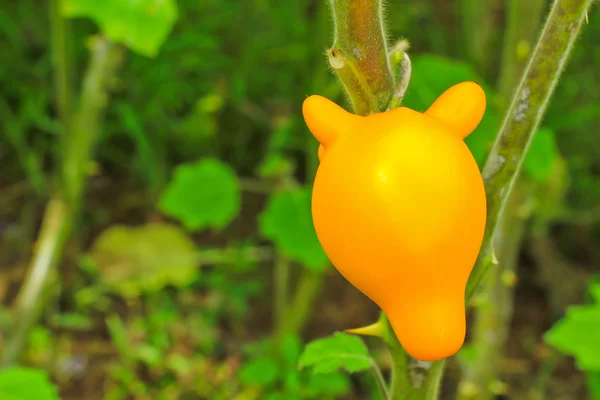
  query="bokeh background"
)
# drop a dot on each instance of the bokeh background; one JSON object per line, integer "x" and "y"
{"x": 192, "y": 270}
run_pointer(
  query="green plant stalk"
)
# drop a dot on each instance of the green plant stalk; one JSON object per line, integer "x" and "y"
{"x": 61, "y": 62}
{"x": 306, "y": 293}
{"x": 494, "y": 307}
{"x": 523, "y": 117}
{"x": 62, "y": 208}
{"x": 524, "y": 17}
{"x": 29, "y": 160}
{"x": 359, "y": 54}
{"x": 477, "y": 30}
{"x": 281, "y": 279}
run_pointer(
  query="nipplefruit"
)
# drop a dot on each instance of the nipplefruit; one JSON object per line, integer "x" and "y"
{"x": 399, "y": 207}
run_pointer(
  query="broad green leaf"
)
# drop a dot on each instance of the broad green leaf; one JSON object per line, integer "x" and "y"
{"x": 141, "y": 25}
{"x": 578, "y": 334}
{"x": 287, "y": 221}
{"x": 433, "y": 75}
{"x": 541, "y": 155}
{"x": 339, "y": 351}
{"x": 145, "y": 259}
{"x": 261, "y": 371}
{"x": 204, "y": 194}
{"x": 19, "y": 383}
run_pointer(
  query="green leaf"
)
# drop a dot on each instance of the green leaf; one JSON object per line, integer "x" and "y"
{"x": 287, "y": 221}
{"x": 261, "y": 371}
{"x": 19, "y": 383}
{"x": 319, "y": 385}
{"x": 339, "y": 351}
{"x": 431, "y": 76}
{"x": 133, "y": 260}
{"x": 578, "y": 334}
{"x": 593, "y": 384}
{"x": 141, "y": 25}
{"x": 202, "y": 195}
{"x": 541, "y": 155}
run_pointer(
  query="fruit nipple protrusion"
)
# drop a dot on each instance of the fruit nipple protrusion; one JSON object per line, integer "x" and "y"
{"x": 326, "y": 120}
{"x": 461, "y": 108}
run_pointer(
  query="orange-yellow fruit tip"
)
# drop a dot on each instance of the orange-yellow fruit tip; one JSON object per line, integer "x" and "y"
{"x": 324, "y": 118}
{"x": 461, "y": 107}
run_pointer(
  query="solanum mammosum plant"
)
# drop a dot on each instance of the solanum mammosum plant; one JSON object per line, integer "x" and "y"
{"x": 399, "y": 207}
{"x": 399, "y": 204}
{"x": 195, "y": 200}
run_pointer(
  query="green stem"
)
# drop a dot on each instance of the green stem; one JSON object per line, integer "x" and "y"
{"x": 61, "y": 62}
{"x": 477, "y": 29}
{"x": 359, "y": 54}
{"x": 495, "y": 308}
{"x": 380, "y": 380}
{"x": 32, "y": 296}
{"x": 523, "y": 117}
{"x": 281, "y": 278}
{"x": 305, "y": 296}
{"x": 63, "y": 205}
{"x": 524, "y": 18}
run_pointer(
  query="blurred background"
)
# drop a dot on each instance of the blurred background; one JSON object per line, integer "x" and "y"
{"x": 156, "y": 186}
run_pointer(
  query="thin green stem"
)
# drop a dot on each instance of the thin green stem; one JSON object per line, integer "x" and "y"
{"x": 281, "y": 279}
{"x": 379, "y": 379}
{"x": 523, "y": 117}
{"x": 61, "y": 62}
{"x": 523, "y": 17}
{"x": 306, "y": 294}
{"x": 62, "y": 208}
{"x": 32, "y": 296}
{"x": 494, "y": 307}
{"x": 477, "y": 30}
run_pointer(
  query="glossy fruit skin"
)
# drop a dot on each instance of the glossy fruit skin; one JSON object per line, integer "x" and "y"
{"x": 399, "y": 207}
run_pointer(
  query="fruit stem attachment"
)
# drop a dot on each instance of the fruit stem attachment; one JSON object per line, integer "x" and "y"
{"x": 523, "y": 117}
{"x": 359, "y": 54}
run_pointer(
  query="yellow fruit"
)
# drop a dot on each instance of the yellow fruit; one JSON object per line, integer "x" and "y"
{"x": 399, "y": 207}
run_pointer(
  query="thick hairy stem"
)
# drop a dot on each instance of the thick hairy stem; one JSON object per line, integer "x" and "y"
{"x": 62, "y": 207}
{"x": 523, "y": 117}
{"x": 359, "y": 54}
{"x": 494, "y": 309}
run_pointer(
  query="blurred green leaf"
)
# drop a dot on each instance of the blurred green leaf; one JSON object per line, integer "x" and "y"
{"x": 202, "y": 195}
{"x": 287, "y": 221}
{"x": 290, "y": 349}
{"x": 320, "y": 385}
{"x": 19, "y": 383}
{"x": 339, "y": 351}
{"x": 541, "y": 155}
{"x": 141, "y": 25}
{"x": 577, "y": 334}
{"x": 133, "y": 260}
{"x": 431, "y": 76}
{"x": 262, "y": 371}
{"x": 593, "y": 384}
